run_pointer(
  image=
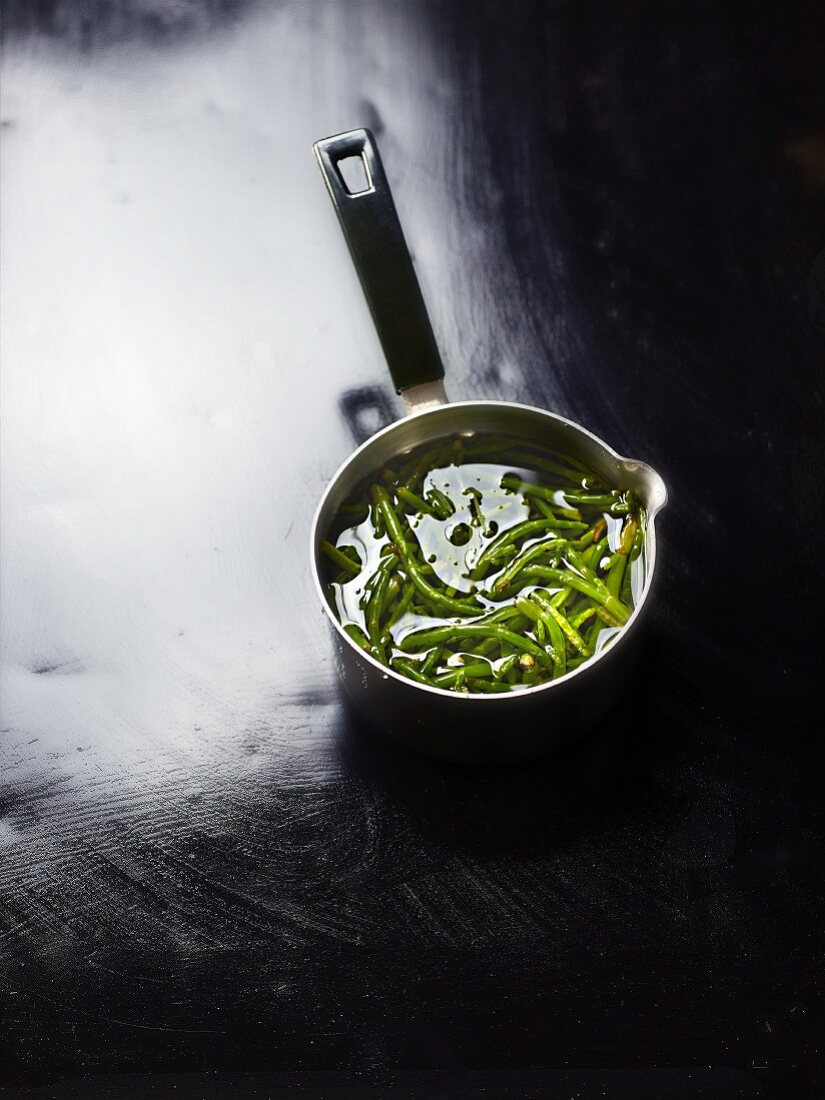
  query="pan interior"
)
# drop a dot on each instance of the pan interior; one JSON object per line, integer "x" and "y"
{"x": 529, "y": 425}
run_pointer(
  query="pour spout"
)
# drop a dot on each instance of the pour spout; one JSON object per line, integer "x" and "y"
{"x": 655, "y": 488}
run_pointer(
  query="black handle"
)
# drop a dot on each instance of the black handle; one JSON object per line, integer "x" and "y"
{"x": 379, "y": 252}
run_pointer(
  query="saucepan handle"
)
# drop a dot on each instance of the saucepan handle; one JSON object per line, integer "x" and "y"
{"x": 382, "y": 260}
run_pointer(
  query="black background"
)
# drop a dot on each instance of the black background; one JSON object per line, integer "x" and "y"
{"x": 643, "y": 916}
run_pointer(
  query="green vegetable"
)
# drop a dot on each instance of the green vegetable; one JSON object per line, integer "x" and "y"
{"x": 539, "y": 549}
{"x": 396, "y": 532}
{"x": 446, "y": 679}
{"x": 344, "y": 561}
{"x": 506, "y": 538}
{"x": 440, "y": 504}
{"x": 507, "y": 584}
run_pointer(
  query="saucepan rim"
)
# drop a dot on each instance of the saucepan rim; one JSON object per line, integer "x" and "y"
{"x": 468, "y": 698}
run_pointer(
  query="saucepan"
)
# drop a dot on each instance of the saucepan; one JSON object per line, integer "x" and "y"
{"x": 472, "y": 728}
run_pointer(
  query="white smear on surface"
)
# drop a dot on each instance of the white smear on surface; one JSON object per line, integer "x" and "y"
{"x": 180, "y": 318}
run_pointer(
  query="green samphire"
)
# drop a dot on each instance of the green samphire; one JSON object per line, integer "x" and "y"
{"x": 484, "y": 565}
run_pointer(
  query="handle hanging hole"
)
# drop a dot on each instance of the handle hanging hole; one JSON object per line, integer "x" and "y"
{"x": 354, "y": 174}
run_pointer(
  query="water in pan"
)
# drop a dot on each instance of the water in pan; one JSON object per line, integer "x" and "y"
{"x": 485, "y": 565}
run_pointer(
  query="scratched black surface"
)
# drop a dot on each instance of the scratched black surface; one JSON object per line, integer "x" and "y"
{"x": 641, "y": 917}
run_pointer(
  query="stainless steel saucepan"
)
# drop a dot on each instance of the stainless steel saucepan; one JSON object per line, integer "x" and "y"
{"x": 472, "y": 728}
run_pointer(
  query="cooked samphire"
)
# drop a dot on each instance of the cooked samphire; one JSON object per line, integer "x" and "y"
{"x": 485, "y": 565}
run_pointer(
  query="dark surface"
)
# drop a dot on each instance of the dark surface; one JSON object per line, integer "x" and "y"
{"x": 637, "y": 196}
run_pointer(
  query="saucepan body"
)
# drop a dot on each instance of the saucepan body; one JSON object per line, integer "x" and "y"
{"x": 489, "y": 728}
